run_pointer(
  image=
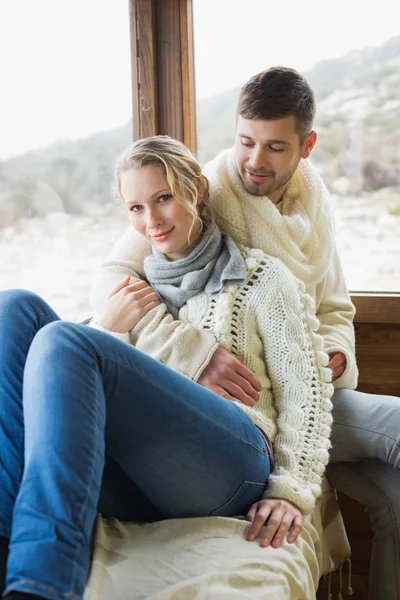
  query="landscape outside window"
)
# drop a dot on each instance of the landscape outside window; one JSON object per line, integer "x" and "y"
{"x": 351, "y": 57}
{"x": 65, "y": 113}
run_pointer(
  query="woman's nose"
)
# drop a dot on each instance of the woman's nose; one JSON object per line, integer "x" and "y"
{"x": 153, "y": 220}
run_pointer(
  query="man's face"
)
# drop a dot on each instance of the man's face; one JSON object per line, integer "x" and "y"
{"x": 268, "y": 153}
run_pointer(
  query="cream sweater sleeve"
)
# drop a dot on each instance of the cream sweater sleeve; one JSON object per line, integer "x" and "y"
{"x": 157, "y": 334}
{"x": 301, "y": 390}
{"x": 335, "y": 312}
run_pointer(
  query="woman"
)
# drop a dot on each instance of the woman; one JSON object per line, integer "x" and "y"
{"x": 76, "y": 401}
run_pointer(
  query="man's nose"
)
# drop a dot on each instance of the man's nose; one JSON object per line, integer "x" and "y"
{"x": 258, "y": 158}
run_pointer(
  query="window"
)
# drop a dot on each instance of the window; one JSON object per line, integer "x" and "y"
{"x": 352, "y": 60}
{"x": 65, "y": 113}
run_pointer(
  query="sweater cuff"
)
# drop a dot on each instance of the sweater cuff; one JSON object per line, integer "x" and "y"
{"x": 285, "y": 487}
{"x": 349, "y": 378}
{"x": 124, "y": 337}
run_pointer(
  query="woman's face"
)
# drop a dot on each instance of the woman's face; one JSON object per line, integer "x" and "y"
{"x": 155, "y": 214}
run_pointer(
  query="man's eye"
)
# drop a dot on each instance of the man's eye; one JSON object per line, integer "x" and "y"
{"x": 247, "y": 144}
{"x": 276, "y": 149}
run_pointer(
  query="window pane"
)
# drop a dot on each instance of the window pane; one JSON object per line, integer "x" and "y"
{"x": 355, "y": 73}
{"x": 65, "y": 114}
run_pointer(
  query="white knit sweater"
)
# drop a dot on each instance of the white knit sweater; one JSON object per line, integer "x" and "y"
{"x": 267, "y": 323}
{"x": 301, "y": 234}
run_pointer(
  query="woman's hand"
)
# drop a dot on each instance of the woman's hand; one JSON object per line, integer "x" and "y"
{"x": 127, "y": 304}
{"x": 279, "y": 516}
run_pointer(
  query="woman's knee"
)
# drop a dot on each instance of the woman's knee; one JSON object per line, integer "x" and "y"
{"x": 16, "y": 300}
{"x": 59, "y": 337}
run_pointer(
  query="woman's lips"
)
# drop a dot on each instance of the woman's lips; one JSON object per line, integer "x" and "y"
{"x": 160, "y": 237}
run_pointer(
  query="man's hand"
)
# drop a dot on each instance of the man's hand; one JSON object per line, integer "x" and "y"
{"x": 279, "y": 516}
{"x": 127, "y": 304}
{"x": 337, "y": 363}
{"x": 226, "y": 376}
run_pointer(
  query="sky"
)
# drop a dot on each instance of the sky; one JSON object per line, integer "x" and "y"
{"x": 65, "y": 71}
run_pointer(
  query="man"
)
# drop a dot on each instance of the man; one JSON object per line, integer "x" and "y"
{"x": 267, "y": 195}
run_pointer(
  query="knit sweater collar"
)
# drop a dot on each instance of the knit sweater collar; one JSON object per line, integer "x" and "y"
{"x": 300, "y": 232}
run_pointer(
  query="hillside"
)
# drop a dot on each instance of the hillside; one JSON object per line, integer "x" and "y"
{"x": 358, "y": 150}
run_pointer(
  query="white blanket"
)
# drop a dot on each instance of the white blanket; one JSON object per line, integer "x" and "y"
{"x": 210, "y": 559}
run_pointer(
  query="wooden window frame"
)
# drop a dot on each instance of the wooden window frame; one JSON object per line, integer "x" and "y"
{"x": 162, "y": 69}
{"x": 163, "y": 91}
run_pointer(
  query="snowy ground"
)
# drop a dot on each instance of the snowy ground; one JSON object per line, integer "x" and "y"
{"x": 57, "y": 256}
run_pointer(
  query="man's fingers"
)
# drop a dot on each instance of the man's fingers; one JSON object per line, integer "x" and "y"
{"x": 236, "y": 392}
{"x": 221, "y": 392}
{"x": 336, "y": 373}
{"x": 120, "y": 286}
{"x": 336, "y": 360}
{"x": 248, "y": 375}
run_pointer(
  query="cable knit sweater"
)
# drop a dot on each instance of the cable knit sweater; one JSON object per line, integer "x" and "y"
{"x": 300, "y": 233}
{"x": 268, "y": 323}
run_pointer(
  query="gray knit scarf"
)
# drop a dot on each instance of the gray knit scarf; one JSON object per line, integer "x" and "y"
{"x": 214, "y": 262}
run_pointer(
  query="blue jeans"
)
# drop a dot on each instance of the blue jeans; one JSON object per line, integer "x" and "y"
{"x": 73, "y": 399}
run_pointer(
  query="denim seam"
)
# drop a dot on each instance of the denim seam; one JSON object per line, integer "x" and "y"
{"x": 32, "y": 585}
{"x": 393, "y": 517}
{"x": 84, "y": 504}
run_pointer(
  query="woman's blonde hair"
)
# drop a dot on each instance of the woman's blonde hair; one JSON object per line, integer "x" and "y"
{"x": 181, "y": 168}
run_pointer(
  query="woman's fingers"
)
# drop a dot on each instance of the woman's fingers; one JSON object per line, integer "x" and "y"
{"x": 272, "y": 526}
{"x": 141, "y": 293}
{"x": 120, "y": 286}
{"x": 296, "y": 529}
{"x": 282, "y": 530}
{"x": 272, "y": 520}
{"x": 261, "y": 515}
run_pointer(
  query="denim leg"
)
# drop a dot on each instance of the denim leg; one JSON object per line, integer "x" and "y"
{"x": 22, "y": 314}
{"x": 376, "y": 485}
{"x": 187, "y": 450}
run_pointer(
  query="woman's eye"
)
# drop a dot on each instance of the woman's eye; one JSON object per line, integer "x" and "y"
{"x": 165, "y": 197}
{"x": 135, "y": 208}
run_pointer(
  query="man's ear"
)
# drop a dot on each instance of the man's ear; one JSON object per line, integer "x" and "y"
{"x": 309, "y": 145}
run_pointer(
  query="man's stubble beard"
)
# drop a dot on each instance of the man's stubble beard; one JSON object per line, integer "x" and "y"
{"x": 262, "y": 189}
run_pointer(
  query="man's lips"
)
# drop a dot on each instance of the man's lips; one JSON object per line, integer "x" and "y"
{"x": 160, "y": 237}
{"x": 257, "y": 178}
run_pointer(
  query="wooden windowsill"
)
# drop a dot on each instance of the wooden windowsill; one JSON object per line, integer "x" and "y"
{"x": 376, "y": 307}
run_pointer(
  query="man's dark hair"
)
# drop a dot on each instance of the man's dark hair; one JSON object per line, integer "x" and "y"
{"x": 277, "y": 93}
